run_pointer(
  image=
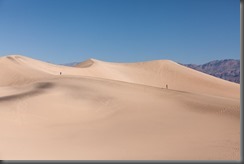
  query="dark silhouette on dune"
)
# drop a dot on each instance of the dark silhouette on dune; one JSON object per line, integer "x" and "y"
{"x": 39, "y": 88}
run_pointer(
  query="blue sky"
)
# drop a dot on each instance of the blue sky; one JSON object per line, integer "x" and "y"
{"x": 63, "y": 31}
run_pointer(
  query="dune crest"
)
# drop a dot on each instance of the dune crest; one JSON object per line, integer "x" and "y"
{"x": 159, "y": 73}
{"x": 87, "y": 63}
{"x": 115, "y": 111}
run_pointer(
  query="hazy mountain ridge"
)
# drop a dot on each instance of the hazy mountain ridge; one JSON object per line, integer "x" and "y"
{"x": 70, "y": 64}
{"x": 227, "y": 69}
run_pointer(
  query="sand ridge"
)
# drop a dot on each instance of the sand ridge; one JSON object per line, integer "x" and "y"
{"x": 157, "y": 73}
{"x": 121, "y": 111}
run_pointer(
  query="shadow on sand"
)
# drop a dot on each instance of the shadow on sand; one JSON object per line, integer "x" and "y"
{"x": 39, "y": 88}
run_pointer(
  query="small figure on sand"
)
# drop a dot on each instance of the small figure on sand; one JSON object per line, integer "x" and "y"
{"x": 60, "y": 73}
{"x": 166, "y": 86}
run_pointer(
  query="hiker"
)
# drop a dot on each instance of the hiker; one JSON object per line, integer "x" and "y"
{"x": 166, "y": 86}
{"x": 60, "y": 73}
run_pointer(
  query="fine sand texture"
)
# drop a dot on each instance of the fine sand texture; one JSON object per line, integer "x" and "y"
{"x": 100, "y": 110}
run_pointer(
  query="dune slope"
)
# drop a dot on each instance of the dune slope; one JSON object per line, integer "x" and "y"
{"x": 160, "y": 73}
{"x": 117, "y": 111}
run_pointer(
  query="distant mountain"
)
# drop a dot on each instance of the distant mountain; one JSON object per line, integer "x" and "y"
{"x": 71, "y": 64}
{"x": 228, "y": 69}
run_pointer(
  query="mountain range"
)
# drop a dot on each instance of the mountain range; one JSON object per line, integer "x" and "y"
{"x": 227, "y": 69}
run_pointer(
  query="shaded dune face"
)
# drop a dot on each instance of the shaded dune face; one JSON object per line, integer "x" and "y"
{"x": 38, "y": 89}
{"x": 85, "y": 64}
{"x": 115, "y": 111}
{"x": 12, "y": 59}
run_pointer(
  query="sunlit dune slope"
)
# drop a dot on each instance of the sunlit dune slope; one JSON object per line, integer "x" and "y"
{"x": 160, "y": 73}
{"x": 86, "y": 118}
{"x": 121, "y": 111}
{"x": 13, "y": 70}
{"x": 17, "y": 69}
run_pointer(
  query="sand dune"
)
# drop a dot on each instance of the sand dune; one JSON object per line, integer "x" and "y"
{"x": 153, "y": 73}
{"x": 121, "y": 111}
{"x": 161, "y": 72}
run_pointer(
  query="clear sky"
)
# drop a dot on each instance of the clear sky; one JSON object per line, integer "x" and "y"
{"x": 63, "y": 31}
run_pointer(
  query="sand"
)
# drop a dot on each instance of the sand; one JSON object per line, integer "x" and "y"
{"x": 115, "y": 111}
